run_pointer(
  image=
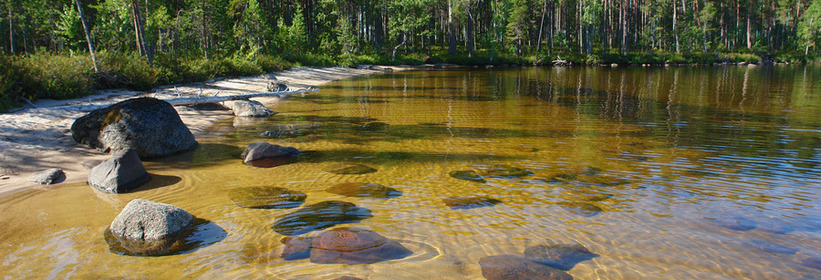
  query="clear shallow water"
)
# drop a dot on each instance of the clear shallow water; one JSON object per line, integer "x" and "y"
{"x": 664, "y": 173}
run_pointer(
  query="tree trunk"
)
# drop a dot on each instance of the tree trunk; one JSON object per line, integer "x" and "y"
{"x": 675, "y": 31}
{"x": 88, "y": 34}
{"x": 11, "y": 32}
{"x": 451, "y": 31}
{"x": 749, "y": 41}
{"x": 469, "y": 29}
{"x": 541, "y": 29}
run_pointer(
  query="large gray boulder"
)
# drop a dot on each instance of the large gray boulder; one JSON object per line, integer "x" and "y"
{"x": 145, "y": 227}
{"x": 262, "y": 150}
{"x": 150, "y": 126}
{"x": 249, "y": 108}
{"x": 121, "y": 173}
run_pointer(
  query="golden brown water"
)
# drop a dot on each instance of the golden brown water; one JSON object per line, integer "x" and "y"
{"x": 699, "y": 173}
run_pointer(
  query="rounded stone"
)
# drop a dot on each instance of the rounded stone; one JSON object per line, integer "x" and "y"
{"x": 149, "y": 228}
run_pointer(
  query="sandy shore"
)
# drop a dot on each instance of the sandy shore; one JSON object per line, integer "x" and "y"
{"x": 37, "y": 139}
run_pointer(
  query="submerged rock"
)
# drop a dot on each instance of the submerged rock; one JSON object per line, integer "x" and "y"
{"x": 349, "y": 168}
{"x": 262, "y": 150}
{"x": 469, "y": 202}
{"x": 508, "y": 267}
{"x": 266, "y": 197}
{"x": 591, "y": 171}
{"x": 734, "y": 222}
{"x": 501, "y": 170}
{"x": 561, "y": 256}
{"x": 48, "y": 176}
{"x": 355, "y": 246}
{"x": 813, "y": 262}
{"x": 364, "y": 190}
{"x": 320, "y": 216}
{"x": 123, "y": 172}
{"x": 290, "y": 130}
{"x": 150, "y": 126}
{"x": 149, "y": 228}
{"x": 770, "y": 247}
{"x": 582, "y": 209}
{"x": 296, "y": 248}
{"x": 373, "y": 126}
{"x": 469, "y": 175}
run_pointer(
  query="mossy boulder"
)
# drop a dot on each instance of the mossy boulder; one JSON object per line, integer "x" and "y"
{"x": 150, "y": 126}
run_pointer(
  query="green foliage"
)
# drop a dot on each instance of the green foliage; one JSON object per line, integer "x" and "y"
{"x": 808, "y": 28}
{"x": 118, "y": 70}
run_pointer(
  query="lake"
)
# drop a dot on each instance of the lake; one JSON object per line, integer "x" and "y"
{"x": 661, "y": 173}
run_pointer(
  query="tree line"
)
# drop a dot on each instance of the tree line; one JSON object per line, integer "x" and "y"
{"x": 347, "y": 28}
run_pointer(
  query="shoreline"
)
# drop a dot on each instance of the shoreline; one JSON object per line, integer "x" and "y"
{"x": 36, "y": 139}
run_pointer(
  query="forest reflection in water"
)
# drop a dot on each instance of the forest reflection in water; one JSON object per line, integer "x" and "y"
{"x": 661, "y": 173}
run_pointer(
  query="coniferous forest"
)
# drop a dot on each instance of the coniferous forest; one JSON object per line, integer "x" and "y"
{"x": 138, "y": 44}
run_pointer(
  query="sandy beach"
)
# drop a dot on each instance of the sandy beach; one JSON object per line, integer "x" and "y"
{"x": 39, "y": 138}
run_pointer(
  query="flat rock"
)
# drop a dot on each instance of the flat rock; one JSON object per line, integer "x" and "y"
{"x": 262, "y": 150}
{"x": 320, "y": 216}
{"x": 355, "y": 246}
{"x": 560, "y": 256}
{"x": 48, "y": 176}
{"x": 468, "y": 202}
{"x": 349, "y": 168}
{"x": 508, "y": 267}
{"x": 149, "y": 228}
{"x": 249, "y": 108}
{"x": 364, "y": 190}
{"x": 582, "y": 208}
{"x": 468, "y": 175}
{"x": 266, "y": 197}
{"x": 121, "y": 173}
{"x": 150, "y": 126}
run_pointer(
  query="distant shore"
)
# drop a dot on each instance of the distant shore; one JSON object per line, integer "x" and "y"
{"x": 36, "y": 139}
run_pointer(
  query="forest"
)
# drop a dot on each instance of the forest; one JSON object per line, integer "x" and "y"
{"x": 61, "y": 48}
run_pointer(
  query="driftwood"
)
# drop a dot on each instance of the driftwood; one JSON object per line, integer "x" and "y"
{"x": 180, "y": 101}
{"x": 559, "y": 61}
